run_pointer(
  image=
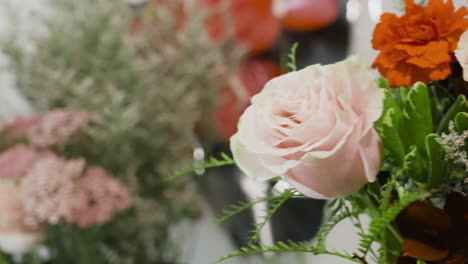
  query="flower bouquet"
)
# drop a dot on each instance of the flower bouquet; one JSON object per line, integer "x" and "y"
{"x": 393, "y": 148}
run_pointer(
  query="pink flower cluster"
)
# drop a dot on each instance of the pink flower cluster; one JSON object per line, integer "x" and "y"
{"x": 102, "y": 197}
{"x": 49, "y": 190}
{"x": 56, "y": 190}
{"x": 44, "y": 130}
{"x": 53, "y": 189}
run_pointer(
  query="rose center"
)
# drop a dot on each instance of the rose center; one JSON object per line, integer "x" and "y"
{"x": 287, "y": 119}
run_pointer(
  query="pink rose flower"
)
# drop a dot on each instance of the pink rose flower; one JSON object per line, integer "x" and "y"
{"x": 314, "y": 127}
{"x": 17, "y": 235}
{"x": 462, "y": 54}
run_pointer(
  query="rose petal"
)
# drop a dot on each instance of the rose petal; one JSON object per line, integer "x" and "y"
{"x": 248, "y": 162}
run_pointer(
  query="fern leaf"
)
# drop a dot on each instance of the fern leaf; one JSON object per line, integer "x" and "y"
{"x": 383, "y": 253}
{"x": 379, "y": 224}
{"x": 282, "y": 247}
{"x": 281, "y": 199}
{"x": 212, "y": 162}
{"x": 335, "y": 215}
{"x": 242, "y": 206}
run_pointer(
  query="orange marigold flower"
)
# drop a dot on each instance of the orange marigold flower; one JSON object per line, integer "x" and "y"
{"x": 419, "y": 45}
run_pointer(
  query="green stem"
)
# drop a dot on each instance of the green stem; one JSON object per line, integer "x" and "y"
{"x": 395, "y": 233}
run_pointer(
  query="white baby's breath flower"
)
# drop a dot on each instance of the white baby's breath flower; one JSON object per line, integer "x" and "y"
{"x": 454, "y": 145}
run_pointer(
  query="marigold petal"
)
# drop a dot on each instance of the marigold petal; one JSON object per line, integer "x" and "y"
{"x": 440, "y": 73}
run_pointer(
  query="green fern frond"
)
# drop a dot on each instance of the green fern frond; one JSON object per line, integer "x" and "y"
{"x": 386, "y": 194}
{"x": 382, "y": 252}
{"x": 335, "y": 215}
{"x": 282, "y": 247}
{"x": 242, "y": 206}
{"x": 212, "y": 162}
{"x": 277, "y": 203}
{"x": 381, "y": 223}
{"x": 292, "y": 64}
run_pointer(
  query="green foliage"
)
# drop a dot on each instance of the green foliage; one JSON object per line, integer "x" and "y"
{"x": 381, "y": 224}
{"x": 292, "y": 64}
{"x": 437, "y": 165}
{"x": 4, "y": 259}
{"x": 461, "y": 122}
{"x": 212, "y": 162}
{"x": 417, "y": 112}
{"x": 413, "y": 165}
{"x": 409, "y": 134}
{"x": 460, "y": 105}
{"x": 242, "y": 206}
{"x": 382, "y": 256}
{"x": 381, "y": 82}
{"x": 273, "y": 208}
{"x": 335, "y": 214}
{"x": 110, "y": 256}
{"x": 32, "y": 258}
{"x": 289, "y": 246}
{"x": 389, "y": 129}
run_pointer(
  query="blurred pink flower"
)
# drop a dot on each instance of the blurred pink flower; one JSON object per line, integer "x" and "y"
{"x": 56, "y": 190}
{"x": 44, "y": 130}
{"x": 58, "y": 126}
{"x": 17, "y": 161}
{"x": 105, "y": 197}
{"x": 17, "y": 235}
{"x": 19, "y": 127}
{"x": 50, "y": 192}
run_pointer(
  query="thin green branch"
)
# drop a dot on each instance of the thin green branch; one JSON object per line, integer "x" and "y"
{"x": 281, "y": 199}
{"x": 242, "y": 206}
{"x": 388, "y": 212}
{"x": 289, "y": 246}
{"x": 334, "y": 216}
{"x": 208, "y": 164}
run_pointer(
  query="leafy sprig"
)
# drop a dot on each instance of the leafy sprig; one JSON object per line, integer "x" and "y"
{"x": 289, "y": 246}
{"x": 212, "y": 162}
{"x": 335, "y": 215}
{"x": 242, "y": 206}
{"x": 382, "y": 223}
{"x": 276, "y": 204}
